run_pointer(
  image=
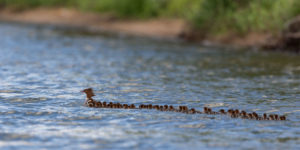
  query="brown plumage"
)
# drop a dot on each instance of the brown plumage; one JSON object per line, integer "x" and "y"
{"x": 141, "y": 106}
{"x": 180, "y": 108}
{"x": 209, "y": 110}
{"x": 132, "y": 106}
{"x": 125, "y": 106}
{"x": 237, "y": 112}
{"x": 205, "y": 110}
{"x": 222, "y": 111}
{"x": 192, "y": 111}
{"x": 171, "y": 108}
{"x": 250, "y": 116}
{"x": 104, "y": 104}
{"x": 98, "y": 105}
{"x": 282, "y": 118}
{"x": 161, "y": 108}
{"x": 265, "y": 117}
{"x": 89, "y": 93}
{"x": 166, "y": 107}
{"x": 255, "y": 115}
{"x": 90, "y": 102}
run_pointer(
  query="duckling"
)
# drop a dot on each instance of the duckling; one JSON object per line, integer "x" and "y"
{"x": 192, "y": 111}
{"x": 180, "y": 108}
{"x": 90, "y": 103}
{"x": 110, "y": 105}
{"x": 150, "y": 106}
{"x": 244, "y": 115}
{"x": 141, "y": 106}
{"x": 125, "y": 106}
{"x": 276, "y": 117}
{"x": 209, "y": 111}
{"x": 237, "y": 112}
{"x": 161, "y": 108}
{"x": 185, "y": 108}
{"x": 132, "y": 106}
{"x": 146, "y": 106}
{"x": 282, "y": 118}
{"x": 232, "y": 114}
{"x": 265, "y": 117}
{"x": 229, "y": 111}
{"x": 222, "y": 111}
{"x": 166, "y": 108}
{"x": 98, "y": 105}
{"x": 171, "y": 108}
{"x": 119, "y": 105}
{"x": 115, "y": 106}
{"x": 205, "y": 109}
{"x": 255, "y": 115}
{"x": 271, "y": 116}
{"x": 250, "y": 116}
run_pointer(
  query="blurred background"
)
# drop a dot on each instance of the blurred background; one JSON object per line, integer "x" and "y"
{"x": 209, "y": 16}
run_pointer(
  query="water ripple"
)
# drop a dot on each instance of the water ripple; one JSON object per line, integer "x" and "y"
{"x": 42, "y": 72}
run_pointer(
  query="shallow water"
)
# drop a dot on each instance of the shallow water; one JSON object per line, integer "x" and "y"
{"x": 42, "y": 71}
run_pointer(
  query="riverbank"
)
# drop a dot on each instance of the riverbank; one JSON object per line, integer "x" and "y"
{"x": 159, "y": 28}
{"x": 162, "y": 28}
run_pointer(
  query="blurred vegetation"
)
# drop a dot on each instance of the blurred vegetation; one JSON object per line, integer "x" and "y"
{"x": 211, "y": 16}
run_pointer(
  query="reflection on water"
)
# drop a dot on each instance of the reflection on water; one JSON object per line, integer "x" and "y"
{"x": 42, "y": 72}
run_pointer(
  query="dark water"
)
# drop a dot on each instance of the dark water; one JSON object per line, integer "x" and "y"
{"x": 43, "y": 70}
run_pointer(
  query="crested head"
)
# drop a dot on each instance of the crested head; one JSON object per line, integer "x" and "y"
{"x": 89, "y": 93}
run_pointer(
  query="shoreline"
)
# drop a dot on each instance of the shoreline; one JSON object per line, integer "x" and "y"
{"x": 160, "y": 28}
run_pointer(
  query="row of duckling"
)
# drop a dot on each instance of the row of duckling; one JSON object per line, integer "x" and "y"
{"x": 244, "y": 115}
{"x": 97, "y": 104}
{"x": 184, "y": 109}
{"x": 90, "y": 102}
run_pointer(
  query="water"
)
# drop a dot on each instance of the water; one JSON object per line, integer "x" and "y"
{"x": 42, "y": 71}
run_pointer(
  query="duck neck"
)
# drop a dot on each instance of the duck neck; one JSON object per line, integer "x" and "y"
{"x": 87, "y": 100}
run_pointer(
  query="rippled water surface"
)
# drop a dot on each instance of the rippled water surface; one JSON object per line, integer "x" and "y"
{"x": 43, "y": 70}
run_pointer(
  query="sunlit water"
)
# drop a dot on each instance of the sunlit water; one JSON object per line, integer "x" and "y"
{"x": 42, "y": 72}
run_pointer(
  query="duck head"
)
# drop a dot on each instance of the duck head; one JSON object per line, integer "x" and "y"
{"x": 89, "y": 93}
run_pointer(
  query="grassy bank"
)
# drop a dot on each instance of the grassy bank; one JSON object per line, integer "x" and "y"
{"x": 212, "y": 17}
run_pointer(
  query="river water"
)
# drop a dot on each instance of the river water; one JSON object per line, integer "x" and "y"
{"x": 43, "y": 70}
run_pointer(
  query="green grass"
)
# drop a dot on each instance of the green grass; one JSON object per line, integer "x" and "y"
{"x": 209, "y": 16}
{"x": 26, "y": 4}
{"x": 222, "y": 16}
